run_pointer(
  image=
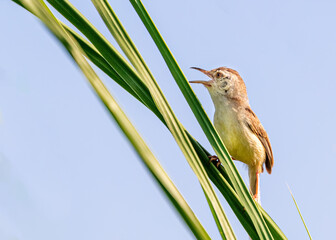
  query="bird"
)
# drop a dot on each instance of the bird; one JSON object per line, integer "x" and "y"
{"x": 237, "y": 125}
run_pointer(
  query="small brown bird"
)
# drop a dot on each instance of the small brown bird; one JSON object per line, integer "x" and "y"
{"x": 237, "y": 125}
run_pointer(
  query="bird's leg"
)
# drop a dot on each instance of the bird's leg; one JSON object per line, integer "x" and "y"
{"x": 215, "y": 160}
{"x": 254, "y": 173}
{"x": 256, "y": 194}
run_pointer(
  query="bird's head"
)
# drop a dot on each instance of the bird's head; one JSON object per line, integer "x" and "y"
{"x": 223, "y": 82}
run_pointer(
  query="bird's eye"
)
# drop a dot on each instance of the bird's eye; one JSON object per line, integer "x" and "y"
{"x": 219, "y": 74}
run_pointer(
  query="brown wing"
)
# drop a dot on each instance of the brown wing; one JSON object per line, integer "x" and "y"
{"x": 254, "y": 124}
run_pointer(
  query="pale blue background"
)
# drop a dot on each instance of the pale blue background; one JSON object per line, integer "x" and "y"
{"x": 67, "y": 172}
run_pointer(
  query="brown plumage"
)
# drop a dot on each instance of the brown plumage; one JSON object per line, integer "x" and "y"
{"x": 237, "y": 125}
{"x": 256, "y": 127}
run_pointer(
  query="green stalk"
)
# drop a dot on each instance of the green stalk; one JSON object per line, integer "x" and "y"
{"x": 128, "y": 47}
{"x": 213, "y": 173}
{"x": 136, "y": 88}
{"x": 39, "y": 9}
{"x": 173, "y": 124}
{"x": 219, "y": 178}
{"x": 297, "y": 207}
{"x": 208, "y": 128}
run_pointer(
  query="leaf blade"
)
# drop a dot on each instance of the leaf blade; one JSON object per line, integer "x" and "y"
{"x": 177, "y": 130}
{"x": 41, "y": 11}
{"x": 297, "y": 208}
{"x": 204, "y": 122}
{"x": 141, "y": 92}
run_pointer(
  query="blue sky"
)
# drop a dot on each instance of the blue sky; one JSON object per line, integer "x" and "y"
{"x": 66, "y": 170}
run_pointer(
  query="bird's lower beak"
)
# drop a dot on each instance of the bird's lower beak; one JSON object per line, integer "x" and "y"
{"x": 205, "y": 83}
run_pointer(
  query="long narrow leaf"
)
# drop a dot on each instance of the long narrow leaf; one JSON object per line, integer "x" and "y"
{"x": 41, "y": 11}
{"x": 120, "y": 35}
{"x": 209, "y": 130}
{"x": 220, "y": 179}
{"x": 141, "y": 92}
{"x": 126, "y": 44}
{"x": 275, "y": 230}
{"x": 297, "y": 207}
{"x": 109, "y": 53}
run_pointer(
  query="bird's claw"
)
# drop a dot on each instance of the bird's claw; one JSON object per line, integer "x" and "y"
{"x": 215, "y": 160}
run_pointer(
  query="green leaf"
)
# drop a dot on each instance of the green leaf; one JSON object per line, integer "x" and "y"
{"x": 41, "y": 11}
{"x": 209, "y": 130}
{"x": 220, "y": 179}
{"x": 135, "y": 87}
{"x": 105, "y": 48}
{"x": 297, "y": 207}
{"x": 172, "y": 122}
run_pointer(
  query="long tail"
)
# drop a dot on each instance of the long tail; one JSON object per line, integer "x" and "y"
{"x": 254, "y": 173}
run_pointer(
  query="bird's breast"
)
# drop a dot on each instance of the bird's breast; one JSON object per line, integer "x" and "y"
{"x": 241, "y": 143}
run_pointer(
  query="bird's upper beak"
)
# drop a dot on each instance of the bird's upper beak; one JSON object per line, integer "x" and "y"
{"x": 205, "y": 83}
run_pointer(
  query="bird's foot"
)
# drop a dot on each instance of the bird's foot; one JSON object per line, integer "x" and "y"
{"x": 215, "y": 160}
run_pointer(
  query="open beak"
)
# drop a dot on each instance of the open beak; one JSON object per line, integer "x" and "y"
{"x": 205, "y": 83}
